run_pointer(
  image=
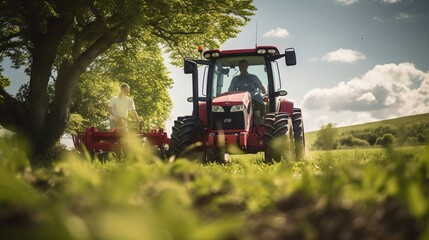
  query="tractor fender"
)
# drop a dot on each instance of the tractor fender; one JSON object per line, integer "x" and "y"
{"x": 285, "y": 105}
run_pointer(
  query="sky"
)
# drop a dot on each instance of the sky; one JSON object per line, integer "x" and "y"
{"x": 357, "y": 60}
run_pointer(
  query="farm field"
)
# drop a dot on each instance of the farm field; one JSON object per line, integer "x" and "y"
{"x": 344, "y": 194}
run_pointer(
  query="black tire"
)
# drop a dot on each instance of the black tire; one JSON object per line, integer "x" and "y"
{"x": 214, "y": 154}
{"x": 187, "y": 132}
{"x": 278, "y": 137}
{"x": 298, "y": 134}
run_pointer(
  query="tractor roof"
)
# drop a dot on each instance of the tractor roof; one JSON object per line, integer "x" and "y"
{"x": 260, "y": 50}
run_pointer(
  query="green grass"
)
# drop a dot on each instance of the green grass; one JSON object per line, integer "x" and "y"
{"x": 346, "y": 194}
{"x": 310, "y": 137}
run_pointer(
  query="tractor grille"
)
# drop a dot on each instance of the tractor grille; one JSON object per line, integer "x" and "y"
{"x": 229, "y": 120}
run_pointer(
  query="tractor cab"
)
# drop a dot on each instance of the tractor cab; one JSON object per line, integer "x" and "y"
{"x": 241, "y": 105}
{"x": 239, "y": 77}
{"x": 241, "y": 83}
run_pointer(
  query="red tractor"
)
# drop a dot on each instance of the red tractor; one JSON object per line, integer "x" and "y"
{"x": 253, "y": 115}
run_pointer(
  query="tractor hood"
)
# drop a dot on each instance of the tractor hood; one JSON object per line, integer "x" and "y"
{"x": 232, "y": 98}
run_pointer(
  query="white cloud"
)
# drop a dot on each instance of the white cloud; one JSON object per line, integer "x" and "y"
{"x": 405, "y": 16}
{"x": 347, "y": 2}
{"x": 278, "y": 32}
{"x": 322, "y": 120}
{"x": 367, "y": 97}
{"x": 351, "y": 2}
{"x": 386, "y": 91}
{"x": 343, "y": 55}
{"x": 379, "y": 19}
{"x": 391, "y": 1}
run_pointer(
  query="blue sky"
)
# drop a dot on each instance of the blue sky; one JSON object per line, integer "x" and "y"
{"x": 358, "y": 60}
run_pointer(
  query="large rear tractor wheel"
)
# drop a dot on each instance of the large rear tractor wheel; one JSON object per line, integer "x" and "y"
{"x": 187, "y": 138}
{"x": 298, "y": 134}
{"x": 278, "y": 137}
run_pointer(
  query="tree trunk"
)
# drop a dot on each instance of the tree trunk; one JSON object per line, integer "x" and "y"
{"x": 66, "y": 82}
{"x": 43, "y": 58}
{"x": 39, "y": 99}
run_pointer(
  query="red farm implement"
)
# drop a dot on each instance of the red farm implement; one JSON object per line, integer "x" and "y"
{"x": 95, "y": 141}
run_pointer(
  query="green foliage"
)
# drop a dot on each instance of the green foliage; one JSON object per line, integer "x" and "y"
{"x": 350, "y": 141}
{"x": 91, "y": 98}
{"x": 421, "y": 138}
{"x": 370, "y": 194}
{"x": 75, "y": 124}
{"x": 4, "y": 81}
{"x": 387, "y": 140}
{"x": 326, "y": 137}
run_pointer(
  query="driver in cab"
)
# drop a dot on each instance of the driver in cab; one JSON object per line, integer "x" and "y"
{"x": 246, "y": 81}
{"x": 250, "y": 82}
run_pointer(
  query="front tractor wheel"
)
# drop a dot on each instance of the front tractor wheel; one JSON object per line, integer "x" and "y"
{"x": 278, "y": 137}
{"x": 187, "y": 137}
{"x": 298, "y": 134}
{"x": 215, "y": 155}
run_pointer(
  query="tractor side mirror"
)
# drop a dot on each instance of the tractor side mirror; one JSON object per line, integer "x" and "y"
{"x": 290, "y": 57}
{"x": 189, "y": 66}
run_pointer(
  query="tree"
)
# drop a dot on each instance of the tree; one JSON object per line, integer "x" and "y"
{"x": 59, "y": 40}
{"x": 326, "y": 137}
{"x": 139, "y": 66}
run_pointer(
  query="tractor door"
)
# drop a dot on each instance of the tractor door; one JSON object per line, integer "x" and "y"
{"x": 278, "y": 101}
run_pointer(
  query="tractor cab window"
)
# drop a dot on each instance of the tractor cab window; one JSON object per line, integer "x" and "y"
{"x": 276, "y": 75}
{"x": 227, "y": 75}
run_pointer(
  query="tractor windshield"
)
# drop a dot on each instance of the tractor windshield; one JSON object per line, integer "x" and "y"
{"x": 228, "y": 76}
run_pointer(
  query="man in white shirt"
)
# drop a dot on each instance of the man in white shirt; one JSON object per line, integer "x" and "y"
{"x": 119, "y": 107}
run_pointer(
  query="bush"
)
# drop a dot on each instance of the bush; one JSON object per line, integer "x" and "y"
{"x": 386, "y": 140}
{"x": 413, "y": 141}
{"x": 350, "y": 141}
{"x": 326, "y": 137}
{"x": 421, "y": 138}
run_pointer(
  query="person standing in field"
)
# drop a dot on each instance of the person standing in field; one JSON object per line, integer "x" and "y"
{"x": 119, "y": 107}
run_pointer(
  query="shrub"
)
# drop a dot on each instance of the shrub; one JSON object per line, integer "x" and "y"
{"x": 421, "y": 138}
{"x": 350, "y": 141}
{"x": 326, "y": 137}
{"x": 413, "y": 141}
{"x": 386, "y": 140}
{"x": 357, "y": 142}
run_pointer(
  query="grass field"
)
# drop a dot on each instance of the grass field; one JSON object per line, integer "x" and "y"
{"x": 310, "y": 137}
{"x": 343, "y": 194}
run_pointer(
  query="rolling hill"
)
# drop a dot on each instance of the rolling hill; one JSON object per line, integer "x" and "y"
{"x": 310, "y": 137}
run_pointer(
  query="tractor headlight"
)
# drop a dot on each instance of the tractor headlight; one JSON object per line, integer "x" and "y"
{"x": 261, "y": 51}
{"x": 217, "y": 108}
{"x": 237, "y": 108}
